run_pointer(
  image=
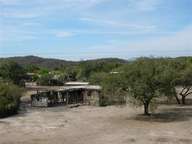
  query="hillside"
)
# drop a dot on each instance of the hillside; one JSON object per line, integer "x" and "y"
{"x": 42, "y": 62}
{"x": 55, "y": 63}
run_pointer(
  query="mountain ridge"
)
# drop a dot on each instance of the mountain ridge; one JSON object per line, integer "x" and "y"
{"x": 52, "y": 63}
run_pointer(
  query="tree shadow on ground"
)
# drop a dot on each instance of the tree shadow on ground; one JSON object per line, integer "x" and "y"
{"x": 18, "y": 114}
{"x": 188, "y": 102}
{"x": 4, "y": 122}
{"x": 176, "y": 114}
{"x": 23, "y": 111}
{"x": 171, "y": 140}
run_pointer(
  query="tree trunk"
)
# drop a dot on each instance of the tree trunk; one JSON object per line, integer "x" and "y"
{"x": 146, "y": 108}
{"x": 183, "y": 100}
{"x": 177, "y": 99}
{"x": 184, "y": 93}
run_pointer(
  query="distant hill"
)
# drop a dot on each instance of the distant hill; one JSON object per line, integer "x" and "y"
{"x": 42, "y": 62}
{"x": 55, "y": 63}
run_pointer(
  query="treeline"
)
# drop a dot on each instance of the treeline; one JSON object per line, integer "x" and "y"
{"x": 144, "y": 81}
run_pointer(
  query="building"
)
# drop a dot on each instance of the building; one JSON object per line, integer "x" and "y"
{"x": 76, "y": 83}
{"x": 45, "y": 96}
{"x": 28, "y": 84}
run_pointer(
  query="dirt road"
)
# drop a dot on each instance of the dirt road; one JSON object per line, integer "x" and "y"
{"x": 98, "y": 125}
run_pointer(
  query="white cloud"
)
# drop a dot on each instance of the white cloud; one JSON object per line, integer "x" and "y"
{"x": 173, "y": 45}
{"x": 176, "y": 42}
{"x": 63, "y": 34}
{"x": 119, "y": 24}
{"x": 17, "y": 32}
{"x": 69, "y": 2}
{"x": 145, "y": 5}
{"x": 17, "y": 14}
{"x": 35, "y": 8}
{"x": 52, "y": 3}
{"x": 30, "y": 24}
{"x": 17, "y": 36}
{"x": 9, "y": 2}
{"x": 73, "y": 32}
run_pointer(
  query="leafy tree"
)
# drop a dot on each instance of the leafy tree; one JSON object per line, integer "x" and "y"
{"x": 113, "y": 91}
{"x": 181, "y": 73}
{"x": 90, "y": 67}
{"x": 71, "y": 73}
{"x": 12, "y": 71}
{"x": 45, "y": 80}
{"x": 32, "y": 68}
{"x": 185, "y": 81}
{"x": 43, "y": 71}
{"x": 167, "y": 79}
{"x": 9, "y": 98}
{"x": 143, "y": 83}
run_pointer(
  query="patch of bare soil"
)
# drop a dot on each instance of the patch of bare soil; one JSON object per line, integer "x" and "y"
{"x": 98, "y": 125}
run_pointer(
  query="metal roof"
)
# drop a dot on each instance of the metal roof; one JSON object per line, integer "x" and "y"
{"x": 76, "y": 83}
{"x": 63, "y": 88}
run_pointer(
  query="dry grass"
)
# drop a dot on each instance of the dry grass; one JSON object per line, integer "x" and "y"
{"x": 98, "y": 125}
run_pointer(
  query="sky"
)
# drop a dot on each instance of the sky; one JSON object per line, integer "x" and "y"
{"x": 90, "y": 29}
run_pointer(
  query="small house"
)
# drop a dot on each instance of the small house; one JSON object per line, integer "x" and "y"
{"x": 46, "y": 96}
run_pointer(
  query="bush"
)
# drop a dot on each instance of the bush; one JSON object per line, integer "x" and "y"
{"x": 9, "y": 99}
{"x": 12, "y": 71}
{"x": 113, "y": 88}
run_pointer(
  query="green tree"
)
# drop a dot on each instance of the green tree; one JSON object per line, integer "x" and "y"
{"x": 32, "y": 68}
{"x": 167, "y": 79}
{"x": 185, "y": 82}
{"x": 71, "y": 73}
{"x": 144, "y": 86}
{"x": 45, "y": 79}
{"x": 103, "y": 65}
{"x": 12, "y": 71}
{"x": 9, "y": 98}
{"x": 113, "y": 88}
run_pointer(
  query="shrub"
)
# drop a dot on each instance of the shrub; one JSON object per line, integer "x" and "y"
{"x": 9, "y": 99}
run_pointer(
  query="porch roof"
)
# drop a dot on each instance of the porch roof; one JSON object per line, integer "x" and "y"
{"x": 63, "y": 88}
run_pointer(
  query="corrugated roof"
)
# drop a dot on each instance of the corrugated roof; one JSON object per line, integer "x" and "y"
{"x": 76, "y": 83}
{"x": 63, "y": 88}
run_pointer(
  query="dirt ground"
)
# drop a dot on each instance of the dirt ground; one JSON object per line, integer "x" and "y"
{"x": 98, "y": 125}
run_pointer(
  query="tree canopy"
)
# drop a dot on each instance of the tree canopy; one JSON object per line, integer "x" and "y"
{"x": 9, "y": 98}
{"x": 12, "y": 71}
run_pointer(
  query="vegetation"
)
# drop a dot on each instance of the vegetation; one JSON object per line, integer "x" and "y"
{"x": 9, "y": 99}
{"x": 113, "y": 88}
{"x": 144, "y": 81}
{"x": 11, "y": 71}
{"x": 185, "y": 82}
{"x": 40, "y": 62}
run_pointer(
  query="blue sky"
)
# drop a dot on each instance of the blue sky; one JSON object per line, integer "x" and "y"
{"x": 89, "y": 29}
